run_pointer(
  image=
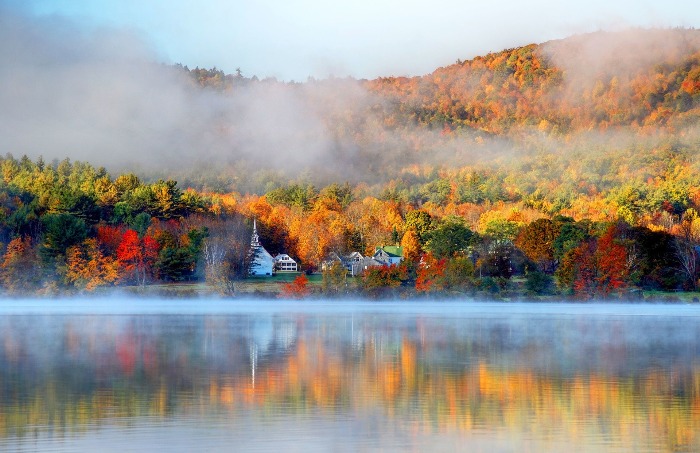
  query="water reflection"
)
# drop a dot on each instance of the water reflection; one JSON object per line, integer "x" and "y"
{"x": 350, "y": 382}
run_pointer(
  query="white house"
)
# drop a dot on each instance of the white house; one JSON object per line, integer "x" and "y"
{"x": 285, "y": 263}
{"x": 262, "y": 263}
{"x": 388, "y": 255}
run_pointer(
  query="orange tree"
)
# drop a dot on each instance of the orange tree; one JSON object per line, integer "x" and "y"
{"x": 536, "y": 240}
{"x": 137, "y": 256}
{"x": 297, "y": 289}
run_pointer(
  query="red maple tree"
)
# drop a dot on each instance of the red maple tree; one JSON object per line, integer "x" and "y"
{"x": 431, "y": 274}
{"x": 137, "y": 255}
{"x": 297, "y": 289}
{"x": 601, "y": 265}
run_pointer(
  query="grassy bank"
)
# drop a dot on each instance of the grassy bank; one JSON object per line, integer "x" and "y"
{"x": 272, "y": 287}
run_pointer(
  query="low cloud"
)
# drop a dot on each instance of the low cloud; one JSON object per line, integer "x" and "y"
{"x": 101, "y": 96}
{"x": 587, "y": 58}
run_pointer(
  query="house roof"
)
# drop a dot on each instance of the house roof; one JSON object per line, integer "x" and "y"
{"x": 284, "y": 257}
{"x": 332, "y": 256}
{"x": 262, "y": 253}
{"x": 371, "y": 262}
{"x": 392, "y": 250}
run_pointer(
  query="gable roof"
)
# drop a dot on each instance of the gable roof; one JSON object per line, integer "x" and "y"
{"x": 261, "y": 253}
{"x": 393, "y": 251}
{"x": 284, "y": 257}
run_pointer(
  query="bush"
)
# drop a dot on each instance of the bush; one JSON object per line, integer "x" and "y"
{"x": 539, "y": 283}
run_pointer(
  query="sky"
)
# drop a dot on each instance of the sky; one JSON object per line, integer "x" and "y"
{"x": 297, "y": 39}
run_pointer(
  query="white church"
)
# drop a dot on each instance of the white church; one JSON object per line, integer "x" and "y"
{"x": 263, "y": 264}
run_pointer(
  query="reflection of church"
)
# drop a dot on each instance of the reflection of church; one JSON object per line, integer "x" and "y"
{"x": 263, "y": 263}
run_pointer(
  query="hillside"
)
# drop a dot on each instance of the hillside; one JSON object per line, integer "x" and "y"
{"x": 603, "y": 96}
{"x": 557, "y": 126}
{"x": 636, "y": 78}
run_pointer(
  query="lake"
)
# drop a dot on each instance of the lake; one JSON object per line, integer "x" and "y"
{"x": 181, "y": 376}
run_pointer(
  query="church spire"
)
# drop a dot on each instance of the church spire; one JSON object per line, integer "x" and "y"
{"x": 255, "y": 239}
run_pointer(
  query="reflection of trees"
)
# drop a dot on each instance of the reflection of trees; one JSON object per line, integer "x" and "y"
{"x": 160, "y": 368}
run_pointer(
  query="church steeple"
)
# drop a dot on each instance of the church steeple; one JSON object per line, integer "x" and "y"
{"x": 255, "y": 239}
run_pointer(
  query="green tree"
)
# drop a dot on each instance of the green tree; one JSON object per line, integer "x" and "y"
{"x": 419, "y": 221}
{"x": 459, "y": 273}
{"x": 140, "y": 223}
{"x": 165, "y": 199}
{"x": 502, "y": 230}
{"x": 450, "y": 237}
{"x": 78, "y": 204}
{"x": 60, "y": 232}
{"x": 539, "y": 283}
{"x": 334, "y": 278}
{"x": 571, "y": 235}
{"x": 175, "y": 264}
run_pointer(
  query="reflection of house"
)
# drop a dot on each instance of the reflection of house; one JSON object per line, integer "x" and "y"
{"x": 284, "y": 263}
{"x": 388, "y": 255}
{"x": 262, "y": 263}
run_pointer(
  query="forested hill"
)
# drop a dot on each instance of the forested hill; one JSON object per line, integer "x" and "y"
{"x": 638, "y": 78}
{"x": 580, "y": 116}
{"x": 588, "y": 113}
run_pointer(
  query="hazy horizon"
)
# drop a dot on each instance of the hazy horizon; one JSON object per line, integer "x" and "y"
{"x": 365, "y": 39}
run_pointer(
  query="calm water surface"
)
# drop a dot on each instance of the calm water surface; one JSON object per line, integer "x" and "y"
{"x": 214, "y": 376}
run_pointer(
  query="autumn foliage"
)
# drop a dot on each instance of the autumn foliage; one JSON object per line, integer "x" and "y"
{"x": 297, "y": 289}
{"x": 431, "y": 274}
{"x": 597, "y": 267}
{"x": 377, "y": 279}
{"x": 136, "y": 256}
{"x": 88, "y": 267}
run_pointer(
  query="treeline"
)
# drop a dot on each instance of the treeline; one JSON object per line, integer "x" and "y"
{"x": 476, "y": 249}
{"x": 67, "y": 226}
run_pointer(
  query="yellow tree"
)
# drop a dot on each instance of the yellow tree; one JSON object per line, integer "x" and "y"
{"x": 318, "y": 234}
{"x": 20, "y": 271}
{"x": 411, "y": 246}
{"x": 375, "y": 220}
{"x": 88, "y": 267}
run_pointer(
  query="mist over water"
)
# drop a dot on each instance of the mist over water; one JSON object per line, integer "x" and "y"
{"x": 129, "y": 305}
{"x": 264, "y": 375}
